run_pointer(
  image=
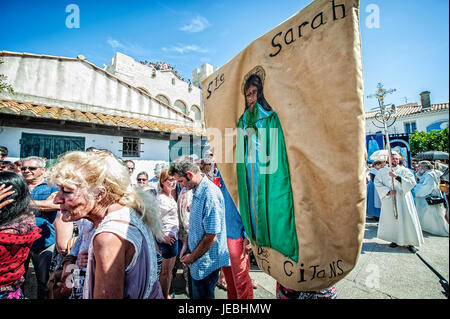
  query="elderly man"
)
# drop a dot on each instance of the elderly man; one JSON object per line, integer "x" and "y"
{"x": 33, "y": 171}
{"x": 207, "y": 238}
{"x": 205, "y": 167}
{"x": 405, "y": 229}
{"x": 431, "y": 216}
{"x": 130, "y": 165}
{"x": 153, "y": 183}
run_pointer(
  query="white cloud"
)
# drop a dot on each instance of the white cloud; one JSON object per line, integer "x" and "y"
{"x": 186, "y": 48}
{"x": 197, "y": 24}
{"x": 129, "y": 48}
{"x": 114, "y": 43}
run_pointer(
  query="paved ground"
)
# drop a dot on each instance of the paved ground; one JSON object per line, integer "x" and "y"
{"x": 381, "y": 272}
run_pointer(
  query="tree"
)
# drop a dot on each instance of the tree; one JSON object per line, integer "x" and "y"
{"x": 4, "y": 86}
{"x": 436, "y": 140}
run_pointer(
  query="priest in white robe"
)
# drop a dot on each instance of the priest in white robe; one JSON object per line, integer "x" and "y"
{"x": 432, "y": 217}
{"x": 406, "y": 229}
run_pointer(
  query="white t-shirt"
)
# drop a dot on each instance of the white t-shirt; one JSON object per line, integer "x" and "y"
{"x": 169, "y": 216}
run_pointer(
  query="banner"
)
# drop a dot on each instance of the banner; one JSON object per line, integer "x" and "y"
{"x": 285, "y": 120}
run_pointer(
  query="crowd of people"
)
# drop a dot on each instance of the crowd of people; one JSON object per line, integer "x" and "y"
{"x": 406, "y": 202}
{"x": 91, "y": 231}
{"x": 160, "y": 66}
{"x": 70, "y": 219}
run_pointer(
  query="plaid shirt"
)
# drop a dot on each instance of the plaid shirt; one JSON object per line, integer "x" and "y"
{"x": 208, "y": 216}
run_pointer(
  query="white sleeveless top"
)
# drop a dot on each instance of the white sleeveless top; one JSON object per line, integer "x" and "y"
{"x": 141, "y": 274}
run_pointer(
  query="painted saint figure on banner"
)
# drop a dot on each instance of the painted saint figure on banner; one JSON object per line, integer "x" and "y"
{"x": 264, "y": 184}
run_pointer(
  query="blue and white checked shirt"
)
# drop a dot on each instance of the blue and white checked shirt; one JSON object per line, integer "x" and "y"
{"x": 208, "y": 216}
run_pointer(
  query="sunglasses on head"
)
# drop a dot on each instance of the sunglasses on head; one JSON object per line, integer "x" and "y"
{"x": 24, "y": 168}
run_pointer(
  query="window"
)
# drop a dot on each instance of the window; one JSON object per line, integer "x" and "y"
{"x": 440, "y": 125}
{"x": 163, "y": 99}
{"x": 181, "y": 106}
{"x": 49, "y": 146}
{"x": 131, "y": 147}
{"x": 145, "y": 90}
{"x": 410, "y": 127}
{"x": 197, "y": 113}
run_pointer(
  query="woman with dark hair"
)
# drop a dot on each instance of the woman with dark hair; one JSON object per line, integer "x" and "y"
{"x": 18, "y": 231}
{"x": 264, "y": 185}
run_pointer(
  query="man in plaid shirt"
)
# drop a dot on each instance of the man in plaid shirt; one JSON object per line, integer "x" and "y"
{"x": 207, "y": 248}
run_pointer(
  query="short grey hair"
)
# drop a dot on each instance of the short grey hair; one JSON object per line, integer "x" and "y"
{"x": 183, "y": 165}
{"x": 40, "y": 160}
{"x": 142, "y": 173}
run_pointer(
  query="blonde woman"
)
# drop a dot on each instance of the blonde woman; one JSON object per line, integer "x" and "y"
{"x": 122, "y": 253}
{"x": 169, "y": 216}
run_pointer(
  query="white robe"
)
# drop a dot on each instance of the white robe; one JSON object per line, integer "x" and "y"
{"x": 405, "y": 230}
{"x": 431, "y": 216}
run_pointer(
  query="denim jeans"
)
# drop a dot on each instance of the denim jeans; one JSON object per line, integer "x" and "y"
{"x": 204, "y": 288}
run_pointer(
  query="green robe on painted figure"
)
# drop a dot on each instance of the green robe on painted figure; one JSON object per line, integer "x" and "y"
{"x": 264, "y": 185}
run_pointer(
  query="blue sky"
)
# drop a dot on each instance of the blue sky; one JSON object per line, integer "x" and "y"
{"x": 408, "y": 51}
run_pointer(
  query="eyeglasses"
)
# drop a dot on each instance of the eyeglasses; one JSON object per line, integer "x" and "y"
{"x": 142, "y": 179}
{"x": 131, "y": 168}
{"x": 32, "y": 169}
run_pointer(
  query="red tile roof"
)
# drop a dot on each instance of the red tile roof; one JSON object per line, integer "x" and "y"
{"x": 60, "y": 113}
{"x": 411, "y": 109}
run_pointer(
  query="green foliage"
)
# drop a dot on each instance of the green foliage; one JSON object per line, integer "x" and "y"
{"x": 436, "y": 140}
{"x": 4, "y": 86}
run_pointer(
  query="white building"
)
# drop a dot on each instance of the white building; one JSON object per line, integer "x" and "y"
{"x": 62, "y": 104}
{"x": 163, "y": 85}
{"x": 411, "y": 117}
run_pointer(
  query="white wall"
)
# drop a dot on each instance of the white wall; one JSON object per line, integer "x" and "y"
{"x": 422, "y": 121}
{"x": 139, "y": 75}
{"x": 154, "y": 151}
{"x": 74, "y": 84}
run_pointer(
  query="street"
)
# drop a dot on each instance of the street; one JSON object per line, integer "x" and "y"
{"x": 383, "y": 272}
